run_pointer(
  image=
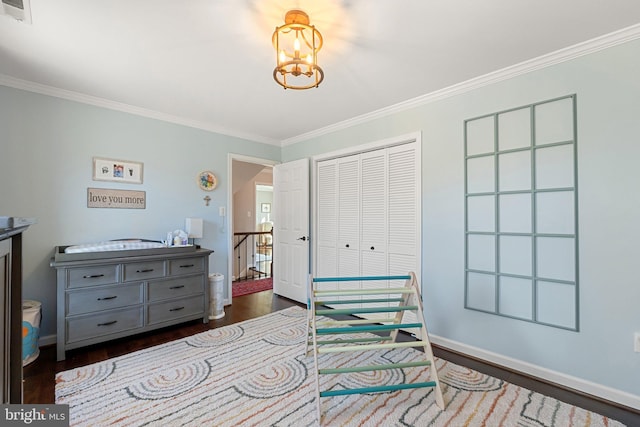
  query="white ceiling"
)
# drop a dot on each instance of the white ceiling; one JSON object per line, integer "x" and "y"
{"x": 209, "y": 63}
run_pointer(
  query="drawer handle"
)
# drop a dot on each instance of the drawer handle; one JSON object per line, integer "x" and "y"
{"x": 187, "y": 266}
{"x": 146, "y": 270}
{"x": 92, "y": 276}
{"x": 108, "y": 323}
{"x": 177, "y": 309}
{"x": 177, "y": 287}
{"x": 106, "y": 298}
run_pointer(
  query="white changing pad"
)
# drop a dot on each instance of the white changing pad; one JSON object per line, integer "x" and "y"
{"x": 114, "y": 245}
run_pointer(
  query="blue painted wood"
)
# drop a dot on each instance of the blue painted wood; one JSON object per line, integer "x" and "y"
{"x": 361, "y": 278}
{"x": 376, "y": 389}
{"x": 367, "y": 328}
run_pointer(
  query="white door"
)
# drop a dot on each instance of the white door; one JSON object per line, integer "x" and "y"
{"x": 290, "y": 215}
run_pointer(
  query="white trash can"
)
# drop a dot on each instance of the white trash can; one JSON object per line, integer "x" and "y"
{"x": 216, "y": 296}
{"x": 30, "y": 331}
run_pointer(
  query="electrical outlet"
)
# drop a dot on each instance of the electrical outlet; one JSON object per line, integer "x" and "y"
{"x": 636, "y": 342}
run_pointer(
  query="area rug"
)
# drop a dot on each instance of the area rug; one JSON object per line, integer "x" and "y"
{"x": 247, "y": 287}
{"x": 255, "y": 373}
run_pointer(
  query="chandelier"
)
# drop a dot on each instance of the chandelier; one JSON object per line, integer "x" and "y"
{"x": 297, "y": 44}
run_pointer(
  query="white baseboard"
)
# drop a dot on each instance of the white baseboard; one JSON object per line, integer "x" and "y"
{"x": 549, "y": 375}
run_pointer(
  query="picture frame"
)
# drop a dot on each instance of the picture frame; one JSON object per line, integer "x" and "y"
{"x": 265, "y": 208}
{"x": 125, "y": 171}
{"x": 207, "y": 181}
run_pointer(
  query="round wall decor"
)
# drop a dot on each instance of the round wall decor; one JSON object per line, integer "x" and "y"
{"x": 207, "y": 180}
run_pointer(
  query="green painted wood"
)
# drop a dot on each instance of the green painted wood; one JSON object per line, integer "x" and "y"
{"x": 361, "y": 278}
{"x": 353, "y": 322}
{"x": 368, "y": 328}
{"x": 366, "y": 347}
{"x": 352, "y": 292}
{"x": 367, "y": 310}
{"x": 354, "y": 340}
{"x": 376, "y": 389}
{"x": 373, "y": 367}
{"x": 356, "y": 301}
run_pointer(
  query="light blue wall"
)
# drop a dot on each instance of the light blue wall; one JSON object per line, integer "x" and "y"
{"x": 608, "y": 110}
{"x": 46, "y": 150}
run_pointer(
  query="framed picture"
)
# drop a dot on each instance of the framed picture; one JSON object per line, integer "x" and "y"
{"x": 207, "y": 181}
{"x": 117, "y": 170}
{"x": 265, "y": 207}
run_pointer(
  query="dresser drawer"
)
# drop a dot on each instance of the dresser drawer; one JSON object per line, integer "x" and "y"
{"x": 186, "y": 266}
{"x": 143, "y": 270}
{"x": 175, "y": 309}
{"x": 175, "y": 288}
{"x": 88, "y": 276}
{"x": 104, "y": 298}
{"x": 85, "y": 327}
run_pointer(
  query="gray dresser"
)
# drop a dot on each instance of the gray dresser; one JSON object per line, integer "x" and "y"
{"x": 128, "y": 292}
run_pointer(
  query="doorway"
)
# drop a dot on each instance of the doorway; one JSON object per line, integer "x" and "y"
{"x": 250, "y": 200}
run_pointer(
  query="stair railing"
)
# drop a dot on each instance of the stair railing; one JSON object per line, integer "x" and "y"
{"x": 252, "y": 254}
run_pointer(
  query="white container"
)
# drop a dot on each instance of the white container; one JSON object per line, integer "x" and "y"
{"x": 216, "y": 296}
{"x": 30, "y": 331}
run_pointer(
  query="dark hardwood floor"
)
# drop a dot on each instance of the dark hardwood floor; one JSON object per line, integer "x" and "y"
{"x": 39, "y": 376}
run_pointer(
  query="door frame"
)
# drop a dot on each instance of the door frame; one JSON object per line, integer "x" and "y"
{"x": 228, "y": 229}
{"x": 363, "y": 148}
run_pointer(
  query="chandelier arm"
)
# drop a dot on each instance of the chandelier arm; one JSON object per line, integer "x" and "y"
{"x": 315, "y": 34}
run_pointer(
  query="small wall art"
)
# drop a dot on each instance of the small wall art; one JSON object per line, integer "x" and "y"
{"x": 266, "y": 207}
{"x": 207, "y": 181}
{"x": 117, "y": 170}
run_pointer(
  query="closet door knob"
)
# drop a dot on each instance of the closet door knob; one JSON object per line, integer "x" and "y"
{"x": 346, "y": 246}
{"x": 372, "y": 248}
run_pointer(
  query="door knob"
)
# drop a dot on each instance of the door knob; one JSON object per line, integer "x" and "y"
{"x": 303, "y": 238}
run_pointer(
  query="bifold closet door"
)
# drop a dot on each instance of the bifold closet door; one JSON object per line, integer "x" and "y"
{"x": 373, "y": 214}
{"x": 368, "y": 208}
{"x": 349, "y": 196}
{"x": 327, "y": 219}
{"x": 403, "y": 215}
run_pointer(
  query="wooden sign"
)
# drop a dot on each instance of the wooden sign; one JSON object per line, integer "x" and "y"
{"x": 116, "y": 199}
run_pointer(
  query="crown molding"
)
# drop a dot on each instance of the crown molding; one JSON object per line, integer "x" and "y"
{"x": 566, "y": 54}
{"x": 126, "y": 108}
